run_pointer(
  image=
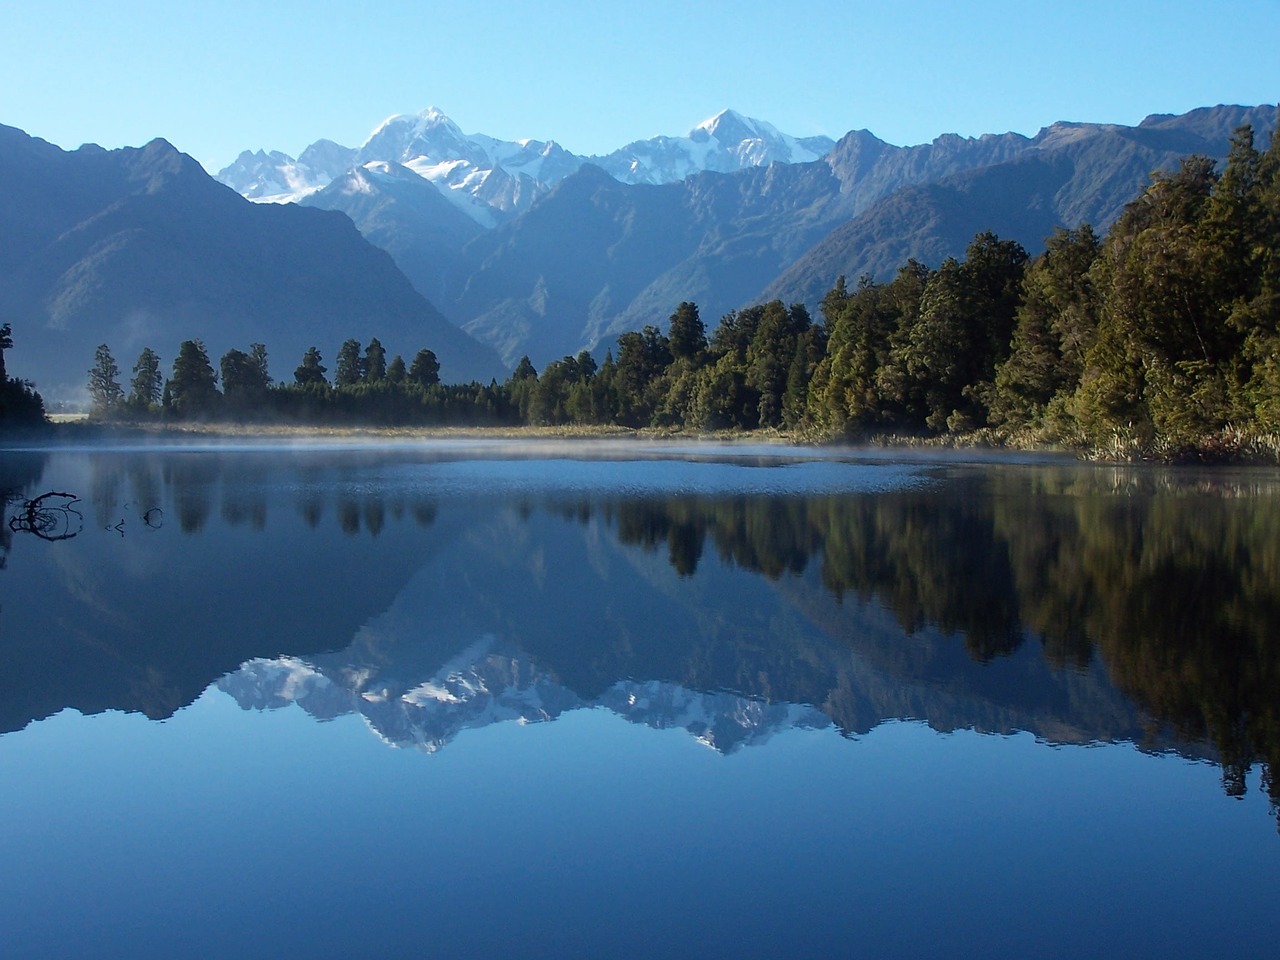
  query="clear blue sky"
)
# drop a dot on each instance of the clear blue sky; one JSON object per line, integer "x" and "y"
{"x": 215, "y": 78}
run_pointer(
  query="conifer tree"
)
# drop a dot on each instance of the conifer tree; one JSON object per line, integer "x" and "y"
{"x": 425, "y": 369}
{"x": 105, "y": 392}
{"x": 374, "y": 366}
{"x": 311, "y": 370}
{"x": 147, "y": 382}
{"x": 350, "y": 367}
{"x": 193, "y": 390}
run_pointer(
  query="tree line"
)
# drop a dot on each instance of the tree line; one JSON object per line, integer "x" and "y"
{"x": 20, "y": 404}
{"x": 366, "y": 388}
{"x": 1161, "y": 338}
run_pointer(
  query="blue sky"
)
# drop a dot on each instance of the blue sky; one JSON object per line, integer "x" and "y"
{"x": 216, "y": 78}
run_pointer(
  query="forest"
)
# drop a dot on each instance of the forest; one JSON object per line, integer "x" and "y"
{"x": 1159, "y": 340}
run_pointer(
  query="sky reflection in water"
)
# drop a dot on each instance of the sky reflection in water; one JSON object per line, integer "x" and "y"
{"x": 724, "y": 650}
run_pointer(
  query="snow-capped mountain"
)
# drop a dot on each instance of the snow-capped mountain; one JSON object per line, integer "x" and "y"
{"x": 276, "y": 176}
{"x": 492, "y": 180}
{"x": 487, "y": 684}
{"x": 724, "y": 143}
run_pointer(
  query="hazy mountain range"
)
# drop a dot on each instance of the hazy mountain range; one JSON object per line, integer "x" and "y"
{"x": 140, "y": 247}
{"x": 493, "y": 180}
{"x": 504, "y": 248}
{"x": 542, "y": 253}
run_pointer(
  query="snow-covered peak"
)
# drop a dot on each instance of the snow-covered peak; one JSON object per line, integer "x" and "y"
{"x": 487, "y": 684}
{"x": 395, "y": 120}
{"x": 493, "y": 179}
{"x": 435, "y": 115}
{"x": 430, "y": 135}
{"x": 724, "y": 143}
{"x": 709, "y": 125}
{"x": 276, "y": 177}
{"x": 729, "y": 126}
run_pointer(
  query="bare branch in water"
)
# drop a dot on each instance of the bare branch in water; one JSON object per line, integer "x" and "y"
{"x": 48, "y": 519}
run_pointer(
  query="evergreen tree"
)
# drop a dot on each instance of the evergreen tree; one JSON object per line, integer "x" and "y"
{"x": 105, "y": 392}
{"x": 350, "y": 368}
{"x": 901, "y": 396}
{"x": 425, "y": 368}
{"x": 258, "y": 353}
{"x": 844, "y": 395}
{"x": 311, "y": 370}
{"x": 244, "y": 379}
{"x": 374, "y": 366}
{"x": 1055, "y": 326}
{"x": 686, "y": 332}
{"x": 396, "y": 372}
{"x": 193, "y": 390}
{"x": 642, "y": 358}
{"x": 520, "y": 387}
{"x": 769, "y": 357}
{"x": 20, "y": 404}
{"x": 6, "y": 343}
{"x": 147, "y": 380}
{"x": 944, "y": 357}
{"x": 1160, "y": 361}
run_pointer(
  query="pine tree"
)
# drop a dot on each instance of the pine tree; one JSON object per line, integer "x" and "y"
{"x": 19, "y": 402}
{"x": 374, "y": 367}
{"x": 425, "y": 369}
{"x": 396, "y": 371}
{"x": 350, "y": 367}
{"x": 686, "y": 332}
{"x": 311, "y": 370}
{"x": 147, "y": 380}
{"x": 194, "y": 388}
{"x": 6, "y": 343}
{"x": 105, "y": 391}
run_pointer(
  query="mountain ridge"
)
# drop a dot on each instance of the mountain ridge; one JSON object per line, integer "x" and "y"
{"x": 1070, "y": 174}
{"x": 435, "y": 147}
{"x": 543, "y": 269}
{"x": 735, "y": 239}
{"x": 140, "y": 247}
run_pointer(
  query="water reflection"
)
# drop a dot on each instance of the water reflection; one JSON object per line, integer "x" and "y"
{"x": 1080, "y": 604}
{"x": 487, "y": 684}
{"x": 1173, "y": 583}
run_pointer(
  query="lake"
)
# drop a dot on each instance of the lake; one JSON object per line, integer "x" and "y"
{"x": 557, "y": 699}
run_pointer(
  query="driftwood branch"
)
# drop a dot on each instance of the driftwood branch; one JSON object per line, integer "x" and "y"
{"x": 48, "y": 519}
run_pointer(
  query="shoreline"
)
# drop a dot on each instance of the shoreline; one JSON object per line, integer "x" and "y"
{"x": 1230, "y": 449}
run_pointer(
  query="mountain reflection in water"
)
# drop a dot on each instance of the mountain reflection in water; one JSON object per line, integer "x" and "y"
{"x": 1081, "y": 604}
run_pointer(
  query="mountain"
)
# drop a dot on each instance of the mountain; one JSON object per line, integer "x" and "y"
{"x": 493, "y": 180}
{"x": 573, "y": 251}
{"x": 595, "y": 258}
{"x": 1070, "y": 174}
{"x": 265, "y": 176}
{"x": 140, "y": 247}
{"x": 724, "y": 143}
{"x": 398, "y": 211}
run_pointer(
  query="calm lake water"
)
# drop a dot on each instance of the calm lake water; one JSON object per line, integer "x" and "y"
{"x": 584, "y": 700}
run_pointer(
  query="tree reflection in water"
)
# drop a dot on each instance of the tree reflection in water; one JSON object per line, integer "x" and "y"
{"x": 1169, "y": 580}
{"x": 1174, "y": 582}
